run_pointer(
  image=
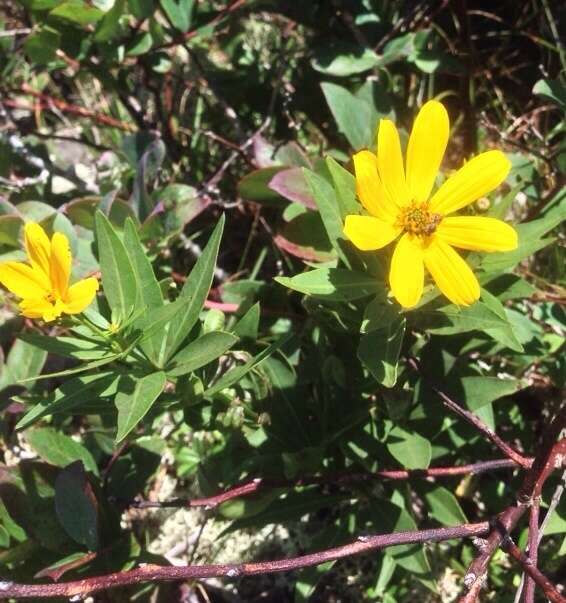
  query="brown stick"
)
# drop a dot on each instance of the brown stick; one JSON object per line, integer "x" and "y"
{"x": 48, "y": 102}
{"x": 152, "y": 573}
{"x": 258, "y": 484}
{"x": 538, "y": 578}
{"x": 474, "y": 420}
{"x": 529, "y": 595}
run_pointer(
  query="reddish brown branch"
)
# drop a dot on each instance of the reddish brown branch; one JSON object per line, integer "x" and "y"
{"x": 551, "y": 455}
{"x": 153, "y": 573}
{"x": 474, "y": 420}
{"x": 538, "y": 578}
{"x": 255, "y": 485}
{"x": 48, "y": 102}
{"x": 532, "y": 549}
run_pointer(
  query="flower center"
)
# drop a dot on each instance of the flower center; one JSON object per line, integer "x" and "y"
{"x": 417, "y": 219}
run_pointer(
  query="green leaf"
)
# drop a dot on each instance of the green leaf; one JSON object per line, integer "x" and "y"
{"x": 24, "y": 363}
{"x": 531, "y": 238}
{"x": 345, "y": 188}
{"x": 379, "y": 314}
{"x": 505, "y": 333}
{"x": 304, "y": 236}
{"x": 149, "y": 292}
{"x": 179, "y": 13}
{"x": 391, "y": 518}
{"x": 479, "y": 391}
{"x": 294, "y": 506}
{"x": 379, "y": 351}
{"x": 71, "y": 395}
{"x": 109, "y": 27}
{"x": 410, "y": 449}
{"x": 58, "y": 449}
{"x": 444, "y": 507}
{"x": 194, "y": 293}
{"x": 77, "y": 12}
{"x": 248, "y": 326}
{"x": 118, "y": 275}
{"x": 70, "y": 347}
{"x": 13, "y": 529}
{"x": 76, "y": 505}
{"x": 344, "y": 59}
{"x": 199, "y": 353}
{"x": 141, "y": 44}
{"x": 132, "y": 407}
{"x": 354, "y": 116}
{"x": 235, "y": 374}
{"x": 239, "y": 508}
{"x": 552, "y": 89}
{"x": 255, "y": 187}
{"x": 452, "y": 319}
{"x": 336, "y": 284}
{"x": 42, "y": 45}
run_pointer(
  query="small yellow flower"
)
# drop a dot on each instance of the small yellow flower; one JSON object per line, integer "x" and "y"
{"x": 397, "y": 201}
{"x": 43, "y": 285}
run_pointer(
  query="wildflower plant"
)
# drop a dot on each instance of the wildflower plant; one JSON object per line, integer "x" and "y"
{"x": 293, "y": 270}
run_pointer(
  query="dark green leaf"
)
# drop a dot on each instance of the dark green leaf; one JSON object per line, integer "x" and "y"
{"x": 59, "y": 449}
{"x": 335, "y": 284}
{"x": 194, "y": 293}
{"x": 132, "y": 407}
{"x": 76, "y": 505}
{"x": 200, "y": 352}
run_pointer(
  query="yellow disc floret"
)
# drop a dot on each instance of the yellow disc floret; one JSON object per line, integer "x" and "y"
{"x": 417, "y": 219}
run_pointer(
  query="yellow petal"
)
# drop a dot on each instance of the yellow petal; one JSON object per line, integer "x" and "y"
{"x": 37, "y": 247}
{"x": 60, "y": 264}
{"x": 451, "y": 273}
{"x": 477, "y": 233}
{"x": 80, "y": 295}
{"x": 368, "y": 233}
{"x": 406, "y": 275}
{"x": 369, "y": 187}
{"x": 23, "y": 280}
{"x": 427, "y": 144}
{"x": 40, "y": 308}
{"x": 390, "y": 163}
{"x": 479, "y": 176}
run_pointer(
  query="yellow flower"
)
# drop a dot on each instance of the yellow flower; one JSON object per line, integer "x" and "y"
{"x": 398, "y": 202}
{"x": 43, "y": 285}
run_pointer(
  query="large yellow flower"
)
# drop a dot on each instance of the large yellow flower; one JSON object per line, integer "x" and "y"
{"x": 43, "y": 285}
{"x": 397, "y": 201}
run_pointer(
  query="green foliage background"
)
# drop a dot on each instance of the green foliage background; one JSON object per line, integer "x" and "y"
{"x": 197, "y": 153}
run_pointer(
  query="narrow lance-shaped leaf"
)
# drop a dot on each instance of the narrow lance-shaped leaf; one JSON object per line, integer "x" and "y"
{"x": 194, "y": 294}
{"x": 132, "y": 407}
{"x": 149, "y": 292}
{"x": 118, "y": 275}
{"x": 335, "y": 284}
{"x": 200, "y": 352}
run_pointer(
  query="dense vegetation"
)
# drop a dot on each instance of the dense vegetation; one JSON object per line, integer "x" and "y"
{"x": 197, "y": 155}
